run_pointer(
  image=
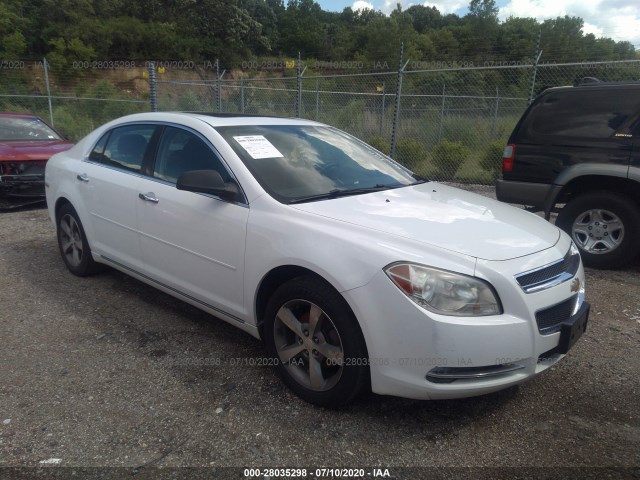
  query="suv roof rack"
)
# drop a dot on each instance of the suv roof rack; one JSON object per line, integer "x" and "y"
{"x": 589, "y": 80}
{"x": 596, "y": 82}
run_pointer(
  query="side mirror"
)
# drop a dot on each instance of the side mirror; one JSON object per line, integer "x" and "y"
{"x": 207, "y": 181}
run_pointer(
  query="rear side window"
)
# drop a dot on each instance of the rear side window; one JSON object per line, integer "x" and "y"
{"x": 124, "y": 147}
{"x": 584, "y": 113}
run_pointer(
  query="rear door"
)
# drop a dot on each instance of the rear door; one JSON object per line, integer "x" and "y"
{"x": 192, "y": 242}
{"x": 109, "y": 182}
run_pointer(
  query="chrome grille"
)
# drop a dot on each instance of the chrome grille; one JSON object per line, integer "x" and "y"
{"x": 550, "y": 319}
{"x": 549, "y": 275}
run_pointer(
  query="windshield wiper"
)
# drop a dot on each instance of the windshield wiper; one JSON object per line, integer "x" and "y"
{"x": 338, "y": 192}
{"x": 419, "y": 179}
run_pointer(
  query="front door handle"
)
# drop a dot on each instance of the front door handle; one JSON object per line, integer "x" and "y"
{"x": 148, "y": 197}
{"x": 83, "y": 178}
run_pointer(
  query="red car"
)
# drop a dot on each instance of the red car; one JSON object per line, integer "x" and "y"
{"x": 26, "y": 143}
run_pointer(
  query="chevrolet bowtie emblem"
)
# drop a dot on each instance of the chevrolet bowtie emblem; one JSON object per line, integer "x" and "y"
{"x": 575, "y": 285}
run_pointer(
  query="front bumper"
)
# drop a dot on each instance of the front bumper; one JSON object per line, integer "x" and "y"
{"x": 30, "y": 186}
{"x": 412, "y": 351}
{"x": 539, "y": 195}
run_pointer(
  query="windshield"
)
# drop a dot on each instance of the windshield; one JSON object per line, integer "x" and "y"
{"x": 304, "y": 163}
{"x": 25, "y": 128}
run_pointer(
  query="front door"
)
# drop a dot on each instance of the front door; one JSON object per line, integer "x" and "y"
{"x": 193, "y": 243}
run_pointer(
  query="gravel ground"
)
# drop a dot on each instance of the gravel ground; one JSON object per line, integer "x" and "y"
{"x": 109, "y": 372}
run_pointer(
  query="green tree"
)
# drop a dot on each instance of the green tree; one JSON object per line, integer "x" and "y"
{"x": 562, "y": 39}
{"x": 424, "y": 18}
{"x": 65, "y": 52}
{"x": 484, "y": 10}
{"x": 13, "y": 47}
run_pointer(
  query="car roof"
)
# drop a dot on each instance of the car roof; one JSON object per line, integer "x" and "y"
{"x": 233, "y": 119}
{"x": 216, "y": 119}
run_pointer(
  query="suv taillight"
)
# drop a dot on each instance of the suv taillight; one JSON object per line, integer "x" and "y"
{"x": 508, "y": 156}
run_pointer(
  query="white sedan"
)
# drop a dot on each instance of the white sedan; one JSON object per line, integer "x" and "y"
{"x": 356, "y": 273}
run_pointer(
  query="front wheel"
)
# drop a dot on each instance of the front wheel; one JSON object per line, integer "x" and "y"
{"x": 604, "y": 226}
{"x": 316, "y": 343}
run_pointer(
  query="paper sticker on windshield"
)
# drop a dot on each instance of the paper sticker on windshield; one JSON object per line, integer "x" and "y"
{"x": 258, "y": 147}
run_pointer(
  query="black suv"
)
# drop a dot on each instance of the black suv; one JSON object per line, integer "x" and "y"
{"x": 579, "y": 148}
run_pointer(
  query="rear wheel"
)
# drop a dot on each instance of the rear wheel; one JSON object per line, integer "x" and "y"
{"x": 604, "y": 226}
{"x": 73, "y": 243}
{"x": 316, "y": 342}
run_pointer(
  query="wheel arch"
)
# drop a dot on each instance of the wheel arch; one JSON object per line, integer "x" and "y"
{"x": 273, "y": 279}
{"x": 60, "y": 202}
{"x": 592, "y": 183}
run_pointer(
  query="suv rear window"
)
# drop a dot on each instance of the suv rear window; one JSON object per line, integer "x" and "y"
{"x": 584, "y": 112}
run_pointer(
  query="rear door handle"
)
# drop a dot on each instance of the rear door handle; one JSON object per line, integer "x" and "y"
{"x": 83, "y": 178}
{"x": 148, "y": 197}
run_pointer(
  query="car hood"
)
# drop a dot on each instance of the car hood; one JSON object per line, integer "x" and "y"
{"x": 444, "y": 217}
{"x": 32, "y": 150}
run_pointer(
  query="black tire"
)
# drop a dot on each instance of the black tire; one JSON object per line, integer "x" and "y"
{"x": 73, "y": 244}
{"x": 575, "y": 219}
{"x": 340, "y": 381}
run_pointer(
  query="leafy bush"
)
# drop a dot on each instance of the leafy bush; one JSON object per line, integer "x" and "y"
{"x": 351, "y": 118}
{"x": 447, "y": 157}
{"x": 459, "y": 128}
{"x": 410, "y": 152}
{"x": 380, "y": 144}
{"x": 491, "y": 160}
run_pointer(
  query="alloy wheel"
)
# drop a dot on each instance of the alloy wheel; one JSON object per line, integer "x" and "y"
{"x": 597, "y": 231}
{"x": 308, "y": 345}
{"x": 71, "y": 240}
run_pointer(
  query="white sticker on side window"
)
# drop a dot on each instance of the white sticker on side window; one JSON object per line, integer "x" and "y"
{"x": 258, "y": 147}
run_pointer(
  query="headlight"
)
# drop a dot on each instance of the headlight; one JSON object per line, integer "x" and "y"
{"x": 444, "y": 292}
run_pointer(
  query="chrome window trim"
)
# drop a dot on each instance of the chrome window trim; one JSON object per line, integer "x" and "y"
{"x": 244, "y": 203}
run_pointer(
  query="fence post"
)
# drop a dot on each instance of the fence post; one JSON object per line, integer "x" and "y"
{"x": 241, "y": 95}
{"x": 382, "y": 110}
{"x": 46, "y": 80}
{"x": 299, "y": 92}
{"x": 442, "y": 111}
{"x": 317, "y": 99}
{"x": 396, "y": 113}
{"x": 535, "y": 67}
{"x": 218, "y": 87}
{"x": 153, "y": 87}
{"x": 495, "y": 113}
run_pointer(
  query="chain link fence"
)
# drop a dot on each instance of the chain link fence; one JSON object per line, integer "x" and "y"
{"x": 451, "y": 124}
{"x": 446, "y": 124}
{"x": 75, "y": 98}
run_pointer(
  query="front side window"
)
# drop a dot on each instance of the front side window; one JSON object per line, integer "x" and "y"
{"x": 297, "y": 163}
{"x": 124, "y": 147}
{"x": 181, "y": 151}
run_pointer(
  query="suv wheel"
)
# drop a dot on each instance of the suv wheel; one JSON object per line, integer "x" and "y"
{"x": 604, "y": 226}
